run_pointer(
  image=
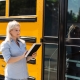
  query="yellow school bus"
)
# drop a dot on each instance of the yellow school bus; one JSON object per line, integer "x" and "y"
{"x": 52, "y": 23}
{"x": 29, "y": 14}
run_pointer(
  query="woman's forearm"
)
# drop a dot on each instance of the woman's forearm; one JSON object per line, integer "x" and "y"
{"x": 15, "y": 59}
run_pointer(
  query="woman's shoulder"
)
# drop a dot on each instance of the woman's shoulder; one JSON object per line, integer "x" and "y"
{"x": 5, "y": 43}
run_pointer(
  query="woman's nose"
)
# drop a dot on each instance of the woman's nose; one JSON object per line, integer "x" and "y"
{"x": 18, "y": 32}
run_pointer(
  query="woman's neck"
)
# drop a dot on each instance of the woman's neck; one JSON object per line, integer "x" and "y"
{"x": 15, "y": 39}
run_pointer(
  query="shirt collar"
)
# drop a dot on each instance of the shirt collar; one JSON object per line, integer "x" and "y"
{"x": 13, "y": 40}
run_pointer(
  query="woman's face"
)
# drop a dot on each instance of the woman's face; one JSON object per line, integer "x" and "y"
{"x": 15, "y": 32}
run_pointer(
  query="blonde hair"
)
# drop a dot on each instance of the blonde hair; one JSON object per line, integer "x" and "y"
{"x": 11, "y": 25}
{"x": 73, "y": 26}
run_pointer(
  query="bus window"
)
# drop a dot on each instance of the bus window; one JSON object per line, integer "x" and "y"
{"x": 2, "y": 7}
{"x": 22, "y": 7}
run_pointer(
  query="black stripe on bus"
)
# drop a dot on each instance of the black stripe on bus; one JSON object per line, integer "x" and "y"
{"x": 27, "y": 39}
{"x": 18, "y": 19}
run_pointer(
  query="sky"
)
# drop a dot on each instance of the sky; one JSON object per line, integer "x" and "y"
{"x": 74, "y": 5}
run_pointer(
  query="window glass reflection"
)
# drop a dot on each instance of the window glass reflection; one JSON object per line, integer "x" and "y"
{"x": 51, "y": 17}
{"x": 73, "y": 41}
{"x": 2, "y": 8}
{"x": 73, "y": 19}
{"x": 73, "y": 35}
{"x": 50, "y": 63}
{"x": 22, "y": 7}
{"x": 73, "y": 63}
{"x": 73, "y": 10}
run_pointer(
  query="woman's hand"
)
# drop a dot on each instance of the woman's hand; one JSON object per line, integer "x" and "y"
{"x": 34, "y": 55}
{"x": 31, "y": 57}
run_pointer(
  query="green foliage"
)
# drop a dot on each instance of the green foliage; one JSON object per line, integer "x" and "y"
{"x": 72, "y": 17}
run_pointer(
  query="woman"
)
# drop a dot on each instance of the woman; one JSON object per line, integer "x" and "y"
{"x": 14, "y": 50}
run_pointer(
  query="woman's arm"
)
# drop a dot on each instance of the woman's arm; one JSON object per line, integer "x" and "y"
{"x": 15, "y": 59}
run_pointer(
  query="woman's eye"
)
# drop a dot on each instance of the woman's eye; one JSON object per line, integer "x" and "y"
{"x": 16, "y": 30}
